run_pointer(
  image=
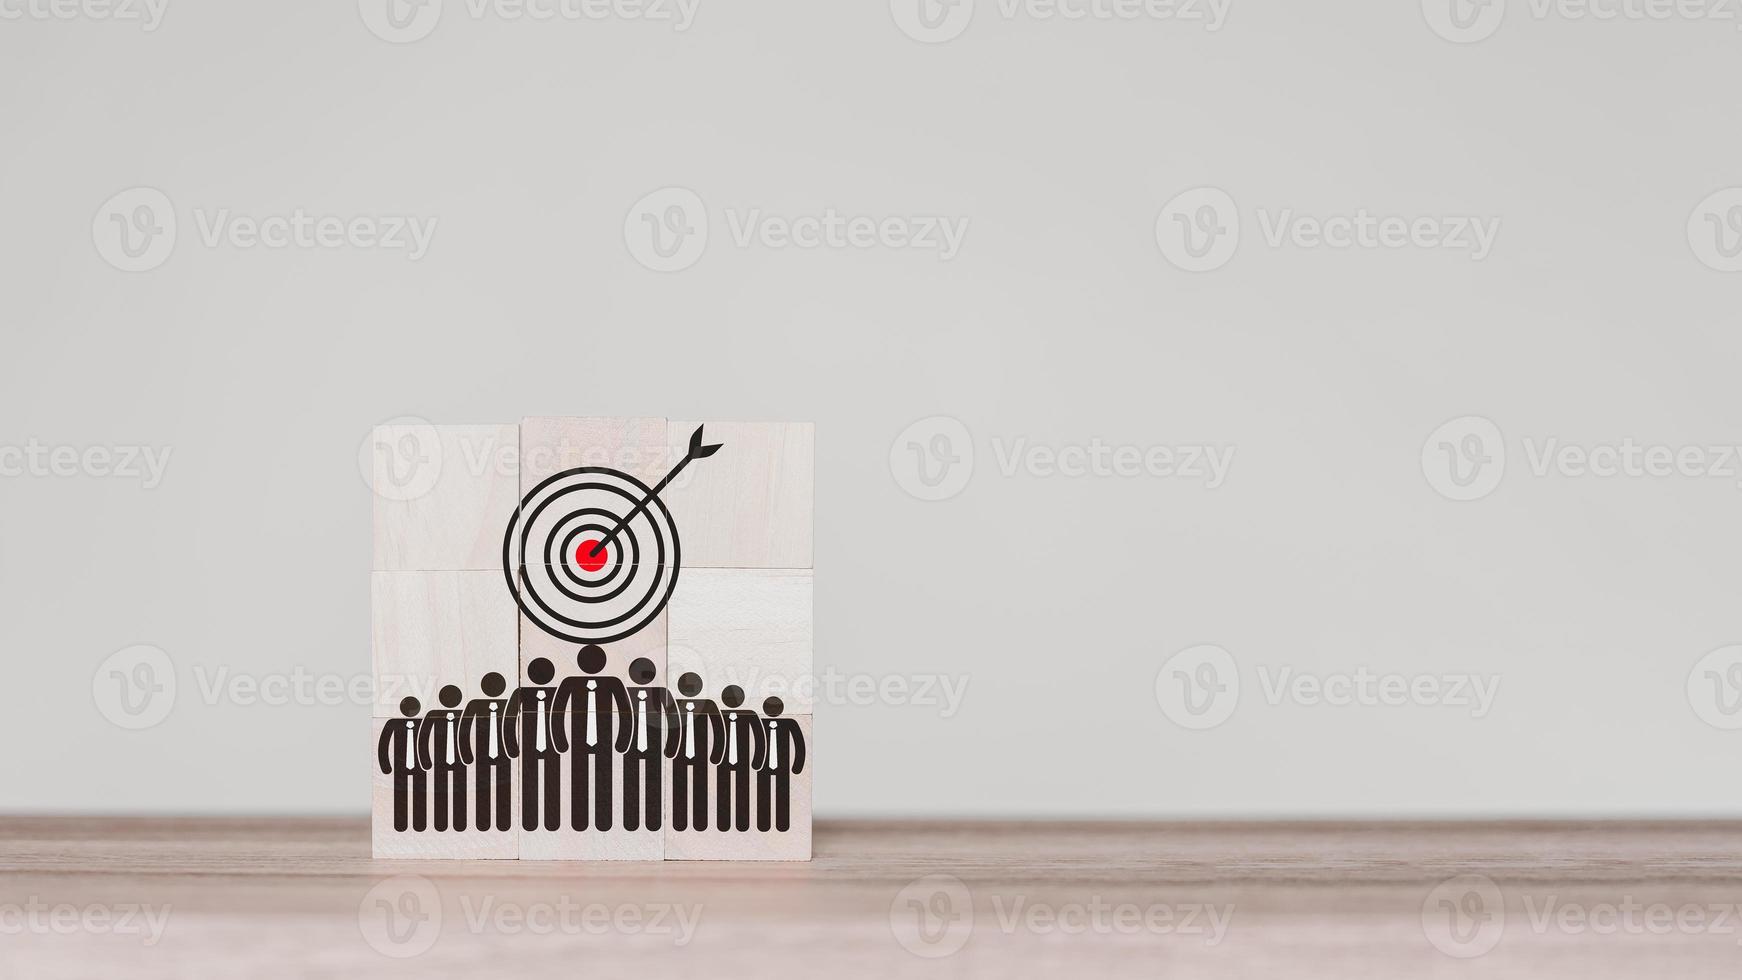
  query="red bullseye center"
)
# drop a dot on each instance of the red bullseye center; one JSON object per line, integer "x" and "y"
{"x": 588, "y": 561}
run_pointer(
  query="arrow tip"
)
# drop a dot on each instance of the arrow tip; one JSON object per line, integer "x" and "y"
{"x": 699, "y": 451}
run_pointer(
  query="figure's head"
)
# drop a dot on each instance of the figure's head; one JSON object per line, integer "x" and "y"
{"x": 450, "y": 696}
{"x": 591, "y": 659}
{"x": 773, "y": 707}
{"x": 732, "y": 696}
{"x": 642, "y": 671}
{"x": 690, "y": 684}
{"x": 492, "y": 684}
{"x": 540, "y": 671}
{"x": 409, "y": 707}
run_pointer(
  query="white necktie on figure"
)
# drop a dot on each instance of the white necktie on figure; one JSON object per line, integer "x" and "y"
{"x": 731, "y": 739}
{"x": 541, "y": 722}
{"x": 592, "y": 713}
{"x": 453, "y": 737}
{"x": 641, "y": 721}
{"x": 773, "y": 746}
{"x": 411, "y": 745}
{"x": 495, "y": 726}
{"x": 689, "y": 730}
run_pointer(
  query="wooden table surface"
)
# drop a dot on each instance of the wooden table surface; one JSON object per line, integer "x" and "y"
{"x": 206, "y": 897}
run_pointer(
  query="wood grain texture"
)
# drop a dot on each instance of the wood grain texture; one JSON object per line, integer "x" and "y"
{"x": 550, "y": 445}
{"x": 566, "y": 843}
{"x": 649, "y": 643}
{"x": 714, "y": 844}
{"x": 443, "y": 495}
{"x": 430, "y": 629}
{"x": 749, "y": 627}
{"x": 751, "y": 504}
{"x": 298, "y": 897}
{"x": 449, "y": 844}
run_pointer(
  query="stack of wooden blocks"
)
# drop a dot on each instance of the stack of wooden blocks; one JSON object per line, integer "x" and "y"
{"x": 443, "y": 614}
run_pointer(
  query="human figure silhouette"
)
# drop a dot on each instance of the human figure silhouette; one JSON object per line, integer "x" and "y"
{"x": 700, "y": 737}
{"x": 744, "y": 745}
{"x": 438, "y": 750}
{"x": 649, "y": 747}
{"x": 593, "y": 706}
{"x": 535, "y": 738}
{"x": 397, "y": 754}
{"x": 483, "y": 746}
{"x": 783, "y": 760}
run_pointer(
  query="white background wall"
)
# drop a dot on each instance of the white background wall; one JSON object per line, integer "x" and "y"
{"x": 1060, "y": 321}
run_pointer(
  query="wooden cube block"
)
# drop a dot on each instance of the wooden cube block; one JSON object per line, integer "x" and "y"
{"x": 431, "y": 629}
{"x": 428, "y": 804}
{"x": 573, "y": 819}
{"x": 443, "y": 495}
{"x": 767, "y": 809}
{"x": 744, "y": 627}
{"x": 650, "y": 644}
{"x": 550, "y": 445}
{"x": 750, "y": 504}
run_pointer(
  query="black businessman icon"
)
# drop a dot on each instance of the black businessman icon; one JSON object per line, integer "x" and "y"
{"x": 743, "y": 755}
{"x": 484, "y": 747}
{"x": 644, "y": 759}
{"x": 595, "y": 708}
{"x": 397, "y": 755}
{"x": 783, "y": 760}
{"x": 701, "y": 743}
{"x": 438, "y": 751}
{"x": 535, "y": 739}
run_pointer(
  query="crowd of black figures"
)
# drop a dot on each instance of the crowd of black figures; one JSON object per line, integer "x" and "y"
{"x": 597, "y": 723}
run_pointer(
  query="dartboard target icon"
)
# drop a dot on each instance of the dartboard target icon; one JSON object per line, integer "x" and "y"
{"x": 592, "y": 554}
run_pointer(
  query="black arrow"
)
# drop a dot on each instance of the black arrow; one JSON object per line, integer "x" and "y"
{"x": 697, "y": 451}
